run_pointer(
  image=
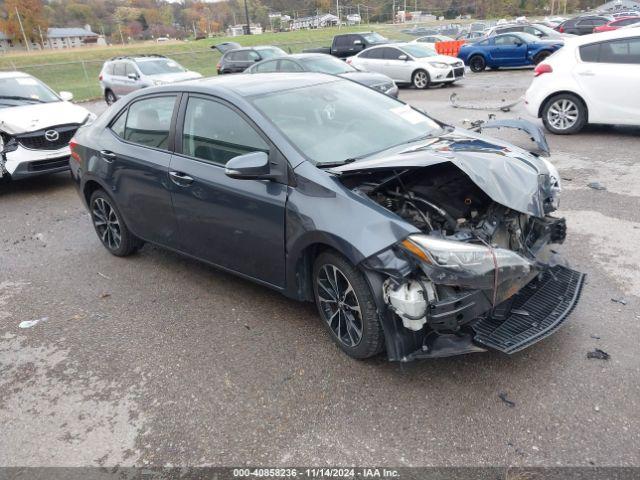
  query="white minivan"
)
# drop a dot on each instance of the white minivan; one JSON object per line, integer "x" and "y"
{"x": 592, "y": 79}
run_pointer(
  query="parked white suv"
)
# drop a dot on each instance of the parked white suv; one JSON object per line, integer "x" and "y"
{"x": 36, "y": 125}
{"x": 123, "y": 75}
{"x": 592, "y": 79}
{"x": 409, "y": 63}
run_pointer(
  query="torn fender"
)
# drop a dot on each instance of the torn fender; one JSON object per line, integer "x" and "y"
{"x": 534, "y": 131}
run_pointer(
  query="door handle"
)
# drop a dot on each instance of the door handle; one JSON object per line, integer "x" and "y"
{"x": 180, "y": 179}
{"x": 587, "y": 73}
{"x": 107, "y": 156}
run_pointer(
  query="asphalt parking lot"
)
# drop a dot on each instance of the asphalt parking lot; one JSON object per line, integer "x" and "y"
{"x": 157, "y": 359}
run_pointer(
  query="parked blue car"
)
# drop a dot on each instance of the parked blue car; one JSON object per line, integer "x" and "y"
{"x": 516, "y": 49}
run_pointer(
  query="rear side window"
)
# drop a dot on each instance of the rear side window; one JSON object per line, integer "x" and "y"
{"x": 119, "y": 69}
{"x": 266, "y": 67}
{"x": 216, "y": 133}
{"x": 624, "y": 51}
{"x": 108, "y": 68}
{"x": 147, "y": 122}
{"x": 374, "y": 53}
{"x": 289, "y": 66}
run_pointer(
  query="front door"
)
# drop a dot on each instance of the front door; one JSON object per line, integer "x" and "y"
{"x": 400, "y": 70}
{"x": 236, "y": 224}
{"x": 134, "y": 155}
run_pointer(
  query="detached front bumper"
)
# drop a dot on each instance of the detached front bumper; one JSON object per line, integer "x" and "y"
{"x": 24, "y": 162}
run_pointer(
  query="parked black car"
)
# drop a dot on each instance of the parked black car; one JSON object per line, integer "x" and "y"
{"x": 323, "y": 63}
{"x": 408, "y": 234}
{"x": 583, "y": 25}
{"x": 348, "y": 44}
{"x": 236, "y": 59}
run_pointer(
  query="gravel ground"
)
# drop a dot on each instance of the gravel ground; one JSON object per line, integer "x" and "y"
{"x": 157, "y": 359}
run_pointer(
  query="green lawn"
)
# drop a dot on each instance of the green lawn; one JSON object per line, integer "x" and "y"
{"x": 77, "y": 70}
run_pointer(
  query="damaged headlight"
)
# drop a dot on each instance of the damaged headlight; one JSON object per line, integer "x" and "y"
{"x": 469, "y": 265}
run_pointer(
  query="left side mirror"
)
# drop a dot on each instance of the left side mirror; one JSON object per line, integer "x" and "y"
{"x": 250, "y": 166}
{"x": 403, "y": 57}
{"x": 66, "y": 96}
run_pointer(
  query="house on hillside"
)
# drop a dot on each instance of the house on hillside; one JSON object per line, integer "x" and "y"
{"x": 55, "y": 38}
{"x": 237, "y": 30}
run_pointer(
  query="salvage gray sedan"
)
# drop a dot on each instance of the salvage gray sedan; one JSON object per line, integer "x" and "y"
{"x": 410, "y": 236}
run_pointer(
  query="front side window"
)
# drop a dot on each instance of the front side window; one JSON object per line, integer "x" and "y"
{"x": 507, "y": 40}
{"x": 147, "y": 122}
{"x": 392, "y": 53}
{"x": 289, "y": 66}
{"x": 340, "y": 120}
{"x": 130, "y": 69}
{"x": 216, "y": 133}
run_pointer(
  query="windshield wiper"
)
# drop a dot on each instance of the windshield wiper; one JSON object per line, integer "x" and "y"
{"x": 335, "y": 164}
{"x": 16, "y": 97}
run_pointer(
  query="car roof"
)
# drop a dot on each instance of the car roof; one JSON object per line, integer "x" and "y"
{"x": 14, "y": 74}
{"x": 602, "y": 36}
{"x": 246, "y": 85}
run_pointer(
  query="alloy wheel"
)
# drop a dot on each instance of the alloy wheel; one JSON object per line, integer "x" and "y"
{"x": 106, "y": 223}
{"x": 110, "y": 98}
{"x": 420, "y": 79}
{"x": 339, "y": 305}
{"x": 563, "y": 114}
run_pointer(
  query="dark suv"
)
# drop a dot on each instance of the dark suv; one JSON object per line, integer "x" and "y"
{"x": 583, "y": 25}
{"x": 236, "y": 59}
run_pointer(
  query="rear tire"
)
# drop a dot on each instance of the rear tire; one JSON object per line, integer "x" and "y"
{"x": 110, "y": 97}
{"x": 477, "y": 64}
{"x": 564, "y": 114}
{"x": 346, "y": 306}
{"x": 110, "y": 227}
{"x": 420, "y": 79}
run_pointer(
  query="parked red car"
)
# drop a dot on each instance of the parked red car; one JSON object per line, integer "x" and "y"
{"x": 617, "y": 23}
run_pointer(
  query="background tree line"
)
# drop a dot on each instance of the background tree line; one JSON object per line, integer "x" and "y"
{"x": 121, "y": 20}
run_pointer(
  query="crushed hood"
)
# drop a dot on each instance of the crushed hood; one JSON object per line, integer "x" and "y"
{"x": 508, "y": 174}
{"x": 32, "y": 117}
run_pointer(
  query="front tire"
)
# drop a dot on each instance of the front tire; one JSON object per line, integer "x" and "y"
{"x": 420, "y": 79}
{"x": 477, "y": 64}
{"x": 346, "y": 306}
{"x": 564, "y": 114}
{"x": 110, "y": 227}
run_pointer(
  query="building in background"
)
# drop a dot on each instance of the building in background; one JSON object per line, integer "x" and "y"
{"x": 620, "y": 6}
{"x": 315, "y": 21}
{"x": 237, "y": 30}
{"x": 55, "y": 38}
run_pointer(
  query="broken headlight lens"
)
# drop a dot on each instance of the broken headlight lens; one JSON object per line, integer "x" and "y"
{"x": 468, "y": 265}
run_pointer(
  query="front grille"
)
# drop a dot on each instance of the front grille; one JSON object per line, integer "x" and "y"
{"x": 458, "y": 72}
{"x": 44, "y": 165}
{"x": 535, "y": 312}
{"x": 38, "y": 140}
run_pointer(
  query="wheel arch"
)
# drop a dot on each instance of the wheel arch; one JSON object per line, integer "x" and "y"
{"x": 89, "y": 187}
{"x": 549, "y": 97}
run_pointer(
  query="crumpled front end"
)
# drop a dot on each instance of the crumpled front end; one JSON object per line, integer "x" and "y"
{"x": 480, "y": 275}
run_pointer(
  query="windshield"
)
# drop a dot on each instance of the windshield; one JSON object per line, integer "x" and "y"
{"x": 342, "y": 120}
{"x": 419, "y": 51}
{"x": 159, "y": 66}
{"x": 374, "y": 38}
{"x": 327, "y": 64}
{"x": 271, "y": 52}
{"x": 25, "y": 89}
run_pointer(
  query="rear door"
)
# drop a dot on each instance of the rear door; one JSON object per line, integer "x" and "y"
{"x": 236, "y": 224}
{"x": 372, "y": 60}
{"x": 133, "y": 159}
{"x": 118, "y": 79}
{"x": 609, "y": 74}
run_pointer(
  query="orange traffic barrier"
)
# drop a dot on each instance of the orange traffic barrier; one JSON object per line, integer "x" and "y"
{"x": 449, "y": 48}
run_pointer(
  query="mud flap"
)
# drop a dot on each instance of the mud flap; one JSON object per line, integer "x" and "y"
{"x": 534, "y": 313}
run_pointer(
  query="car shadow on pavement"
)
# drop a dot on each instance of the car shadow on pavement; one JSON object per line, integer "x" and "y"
{"x": 42, "y": 184}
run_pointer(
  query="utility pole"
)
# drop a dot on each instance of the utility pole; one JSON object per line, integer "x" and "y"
{"x": 393, "y": 12}
{"x": 120, "y": 30}
{"x": 246, "y": 14}
{"x": 41, "y": 38}
{"x": 26, "y": 43}
{"x": 338, "y": 12}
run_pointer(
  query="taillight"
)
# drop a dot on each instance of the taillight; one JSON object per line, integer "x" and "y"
{"x": 561, "y": 29}
{"x": 72, "y": 146}
{"x": 349, "y": 61}
{"x": 542, "y": 68}
{"x": 100, "y": 77}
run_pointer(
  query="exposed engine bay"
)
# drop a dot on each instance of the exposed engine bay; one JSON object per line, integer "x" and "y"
{"x": 470, "y": 261}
